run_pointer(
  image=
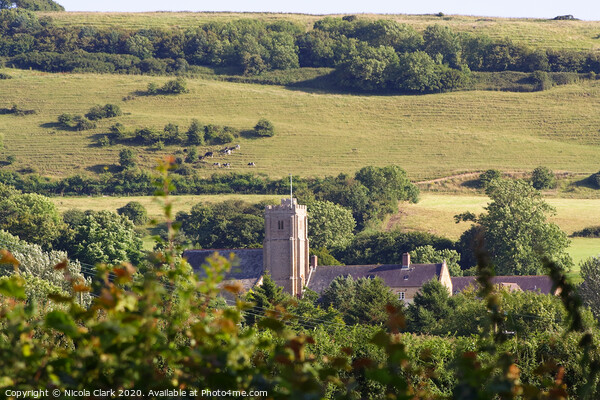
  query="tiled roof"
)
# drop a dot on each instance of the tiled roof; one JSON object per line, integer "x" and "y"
{"x": 393, "y": 275}
{"x": 533, "y": 283}
{"x": 247, "y": 269}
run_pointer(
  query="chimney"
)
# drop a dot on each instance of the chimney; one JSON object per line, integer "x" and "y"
{"x": 406, "y": 260}
{"x": 313, "y": 261}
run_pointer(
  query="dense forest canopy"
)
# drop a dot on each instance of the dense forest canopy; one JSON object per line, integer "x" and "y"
{"x": 367, "y": 55}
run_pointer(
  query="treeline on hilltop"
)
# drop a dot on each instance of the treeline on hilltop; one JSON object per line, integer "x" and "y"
{"x": 379, "y": 55}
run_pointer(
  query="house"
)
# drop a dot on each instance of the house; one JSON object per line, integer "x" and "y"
{"x": 285, "y": 255}
{"x": 533, "y": 283}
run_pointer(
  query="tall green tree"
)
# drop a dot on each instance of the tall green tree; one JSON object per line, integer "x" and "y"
{"x": 517, "y": 233}
{"x": 102, "y": 237}
{"x": 31, "y": 217}
{"x": 329, "y": 225}
{"x": 590, "y": 288}
{"x": 429, "y": 255}
{"x": 430, "y": 306}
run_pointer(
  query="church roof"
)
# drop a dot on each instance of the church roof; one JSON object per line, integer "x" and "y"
{"x": 393, "y": 275}
{"x": 247, "y": 267}
{"x": 533, "y": 283}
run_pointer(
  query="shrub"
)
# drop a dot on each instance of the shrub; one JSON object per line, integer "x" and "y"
{"x": 488, "y": 176}
{"x": 264, "y": 127}
{"x": 95, "y": 113}
{"x": 126, "y": 158}
{"x": 135, "y": 211}
{"x": 104, "y": 141}
{"x": 541, "y": 80}
{"x": 152, "y": 88}
{"x": 172, "y": 134}
{"x": 65, "y": 120}
{"x": 543, "y": 178}
{"x": 5, "y": 76}
{"x": 10, "y": 159}
{"x": 176, "y": 86}
{"x": 195, "y": 134}
{"x": 191, "y": 155}
{"x": 106, "y": 111}
{"x": 112, "y": 110}
{"x": 148, "y": 135}
{"x": 595, "y": 180}
{"x": 82, "y": 123}
{"x": 590, "y": 231}
{"x": 119, "y": 131}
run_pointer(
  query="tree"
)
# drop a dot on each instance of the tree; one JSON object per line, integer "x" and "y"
{"x": 36, "y": 5}
{"x": 329, "y": 225}
{"x": 488, "y": 176}
{"x": 195, "y": 133}
{"x": 430, "y": 306}
{"x": 516, "y": 231}
{"x": 230, "y": 224}
{"x": 263, "y": 297}
{"x": 429, "y": 255}
{"x": 590, "y": 288}
{"x": 417, "y": 72}
{"x": 37, "y": 263}
{"x": 175, "y": 86}
{"x": 126, "y": 159}
{"x": 543, "y": 178}
{"x": 103, "y": 237}
{"x": 191, "y": 155}
{"x": 135, "y": 211}
{"x": 360, "y": 301}
{"x": 31, "y": 217}
{"x": 264, "y": 127}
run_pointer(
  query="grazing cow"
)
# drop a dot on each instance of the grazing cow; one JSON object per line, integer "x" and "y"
{"x": 237, "y": 146}
{"x": 208, "y": 154}
{"x": 226, "y": 165}
{"x": 200, "y": 158}
{"x": 217, "y": 164}
{"x": 226, "y": 151}
{"x": 251, "y": 164}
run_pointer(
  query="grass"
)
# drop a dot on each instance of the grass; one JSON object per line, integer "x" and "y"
{"x": 155, "y": 211}
{"x": 538, "y": 33}
{"x": 318, "y": 133}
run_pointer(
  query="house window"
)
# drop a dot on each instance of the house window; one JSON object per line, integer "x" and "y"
{"x": 401, "y": 295}
{"x": 280, "y": 224}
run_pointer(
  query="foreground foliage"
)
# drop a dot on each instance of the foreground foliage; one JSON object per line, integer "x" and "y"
{"x": 167, "y": 330}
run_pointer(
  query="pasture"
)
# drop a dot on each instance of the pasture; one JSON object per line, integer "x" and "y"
{"x": 538, "y": 33}
{"x": 153, "y": 206}
{"x": 318, "y": 133}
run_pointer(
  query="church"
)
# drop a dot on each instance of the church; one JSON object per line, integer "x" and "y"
{"x": 285, "y": 256}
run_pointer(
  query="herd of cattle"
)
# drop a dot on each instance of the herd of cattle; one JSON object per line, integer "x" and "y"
{"x": 226, "y": 152}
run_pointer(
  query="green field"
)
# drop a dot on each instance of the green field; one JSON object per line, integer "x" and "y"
{"x": 154, "y": 208}
{"x": 317, "y": 133}
{"x": 539, "y": 33}
{"x": 435, "y": 212}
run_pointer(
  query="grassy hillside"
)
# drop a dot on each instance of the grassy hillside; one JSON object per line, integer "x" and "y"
{"x": 318, "y": 133}
{"x": 540, "y": 33}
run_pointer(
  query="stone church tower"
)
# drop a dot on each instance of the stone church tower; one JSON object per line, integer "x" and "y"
{"x": 285, "y": 249}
